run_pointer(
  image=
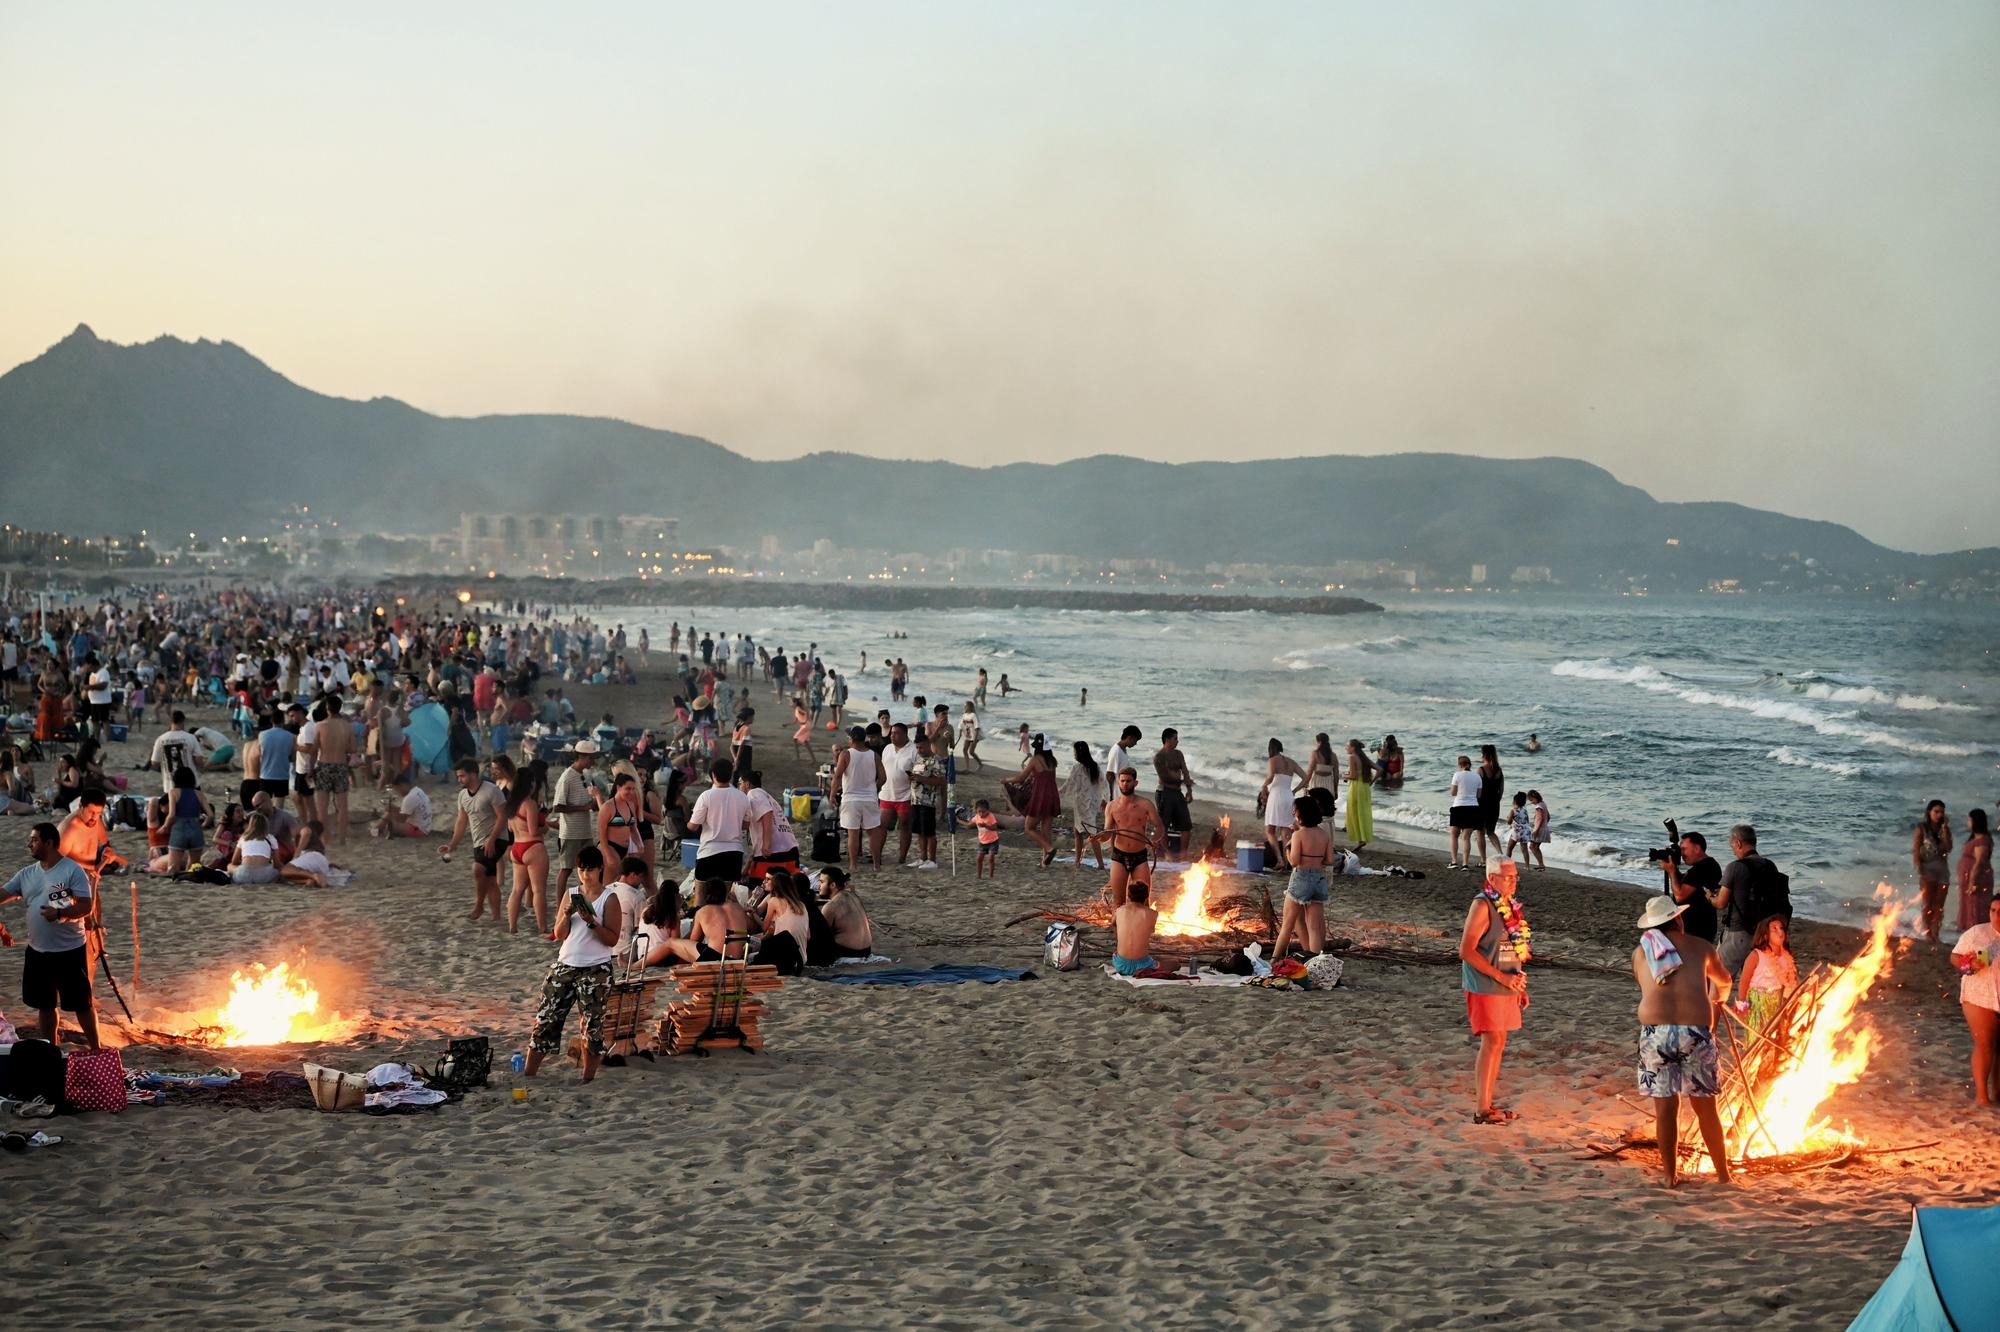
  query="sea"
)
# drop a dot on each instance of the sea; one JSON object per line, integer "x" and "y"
{"x": 1825, "y": 723}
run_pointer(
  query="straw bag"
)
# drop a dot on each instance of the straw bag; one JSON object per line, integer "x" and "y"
{"x": 335, "y": 1090}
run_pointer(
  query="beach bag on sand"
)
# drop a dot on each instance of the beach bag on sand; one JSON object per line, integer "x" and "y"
{"x": 35, "y": 1070}
{"x": 95, "y": 1080}
{"x": 1063, "y": 947}
{"x": 1323, "y": 972}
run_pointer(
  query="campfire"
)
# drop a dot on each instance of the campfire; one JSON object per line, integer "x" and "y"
{"x": 1187, "y": 912}
{"x": 1814, "y": 1045}
{"x": 263, "y": 1005}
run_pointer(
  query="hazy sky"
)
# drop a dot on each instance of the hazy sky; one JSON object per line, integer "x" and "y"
{"x": 1734, "y": 251}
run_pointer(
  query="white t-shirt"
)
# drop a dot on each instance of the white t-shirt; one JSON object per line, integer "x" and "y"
{"x": 896, "y": 765}
{"x": 1115, "y": 762}
{"x": 1983, "y": 989}
{"x": 1465, "y": 789}
{"x": 210, "y": 738}
{"x": 721, "y": 812}
{"x": 762, "y": 802}
{"x": 312, "y": 862}
{"x": 100, "y": 686}
{"x": 302, "y": 762}
{"x": 417, "y": 808}
{"x": 174, "y": 749}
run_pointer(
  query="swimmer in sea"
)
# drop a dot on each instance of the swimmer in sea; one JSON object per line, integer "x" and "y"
{"x": 1534, "y": 744}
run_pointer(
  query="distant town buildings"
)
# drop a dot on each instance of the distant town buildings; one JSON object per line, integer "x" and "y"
{"x": 566, "y": 543}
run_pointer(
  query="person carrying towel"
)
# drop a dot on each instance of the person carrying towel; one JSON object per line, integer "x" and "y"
{"x": 1677, "y": 1051}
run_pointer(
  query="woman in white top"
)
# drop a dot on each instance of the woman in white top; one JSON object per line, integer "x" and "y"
{"x": 581, "y": 973}
{"x": 1465, "y": 787}
{"x": 1977, "y": 955}
{"x": 785, "y": 911}
{"x": 968, "y": 736}
{"x": 1083, "y": 792}
{"x": 1279, "y": 770}
{"x": 255, "y": 859}
{"x": 310, "y": 866}
{"x": 1323, "y": 770}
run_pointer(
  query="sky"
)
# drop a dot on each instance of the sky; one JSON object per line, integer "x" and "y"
{"x": 1727, "y": 251}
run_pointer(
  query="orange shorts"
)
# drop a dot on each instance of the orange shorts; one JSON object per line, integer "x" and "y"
{"x": 1493, "y": 1012}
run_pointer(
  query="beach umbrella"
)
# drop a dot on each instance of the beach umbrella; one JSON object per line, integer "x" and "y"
{"x": 429, "y": 734}
{"x": 1946, "y": 1280}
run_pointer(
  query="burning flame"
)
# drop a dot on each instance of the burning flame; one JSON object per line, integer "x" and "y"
{"x": 268, "y": 1006}
{"x": 1188, "y": 913}
{"x": 1831, "y": 1050}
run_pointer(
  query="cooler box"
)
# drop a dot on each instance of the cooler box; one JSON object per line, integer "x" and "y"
{"x": 803, "y": 802}
{"x": 690, "y": 849}
{"x": 118, "y": 731}
{"x": 1250, "y": 857}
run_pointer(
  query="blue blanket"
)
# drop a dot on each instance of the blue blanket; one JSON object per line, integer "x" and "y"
{"x": 944, "y": 973}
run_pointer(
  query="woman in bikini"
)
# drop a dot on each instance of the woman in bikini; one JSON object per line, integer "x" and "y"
{"x": 620, "y": 821}
{"x": 525, "y": 822}
{"x": 1306, "y": 892}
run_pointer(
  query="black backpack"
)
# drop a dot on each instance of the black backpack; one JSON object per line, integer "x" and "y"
{"x": 1769, "y": 893}
{"x": 35, "y": 1068}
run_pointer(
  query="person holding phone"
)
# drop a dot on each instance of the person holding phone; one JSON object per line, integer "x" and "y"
{"x": 589, "y": 924}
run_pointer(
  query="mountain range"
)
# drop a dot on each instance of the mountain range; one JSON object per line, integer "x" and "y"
{"x": 99, "y": 436}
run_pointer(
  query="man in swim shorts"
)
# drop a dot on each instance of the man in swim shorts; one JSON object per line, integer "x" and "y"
{"x": 1135, "y": 919}
{"x": 1133, "y": 827}
{"x": 1681, "y": 979}
{"x": 1176, "y": 785}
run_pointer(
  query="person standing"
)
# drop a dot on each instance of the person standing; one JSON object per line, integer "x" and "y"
{"x": 1492, "y": 790}
{"x": 1493, "y": 952}
{"x": 570, "y": 802}
{"x": 1975, "y": 870}
{"x": 1360, "y": 795}
{"x": 333, "y": 776}
{"x": 929, "y": 777}
{"x": 1677, "y": 974}
{"x": 856, "y": 789}
{"x": 1322, "y": 775}
{"x": 719, "y": 815}
{"x": 55, "y": 973}
{"x": 1694, "y": 883}
{"x": 899, "y": 757}
{"x": 1044, "y": 801}
{"x": 1174, "y": 791}
{"x": 1084, "y": 789}
{"x": 275, "y": 744}
{"x": 1750, "y": 893}
{"x": 1119, "y": 759}
{"x": 589, "y": 924}
{"x": 968, "y": 737}
{"x": 1977, "y": 956}
{"x": 1464, "y": 788}
{"x": 1930, "y": 853}
{"x": 1276, "y": 796}
{"x": 481, "y": 812}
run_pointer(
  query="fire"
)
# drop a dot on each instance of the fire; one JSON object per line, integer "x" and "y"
{"x": 1188, "y": 913}
{"x": 268, "y": 1006}
{"x": 1771, "y": 1097}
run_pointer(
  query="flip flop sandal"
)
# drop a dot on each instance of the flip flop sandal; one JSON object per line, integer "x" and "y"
{"x": 1495, "y": 1116}
{"x": 21, "y": 1142}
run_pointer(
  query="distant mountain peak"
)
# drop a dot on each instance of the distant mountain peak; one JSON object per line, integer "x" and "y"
{"x": 82, "y": 333}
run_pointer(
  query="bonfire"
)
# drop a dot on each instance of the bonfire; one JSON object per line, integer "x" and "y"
{"x": 264, "y": 1005}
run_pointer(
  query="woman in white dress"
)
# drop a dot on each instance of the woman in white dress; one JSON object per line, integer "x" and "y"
{"x": 1279, "y": 773}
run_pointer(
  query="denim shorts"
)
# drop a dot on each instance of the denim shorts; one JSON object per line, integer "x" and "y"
{"x": 1307, "y": 885}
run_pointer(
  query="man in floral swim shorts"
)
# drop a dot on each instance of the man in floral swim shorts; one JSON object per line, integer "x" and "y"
{"x": 1677, "y": 1051}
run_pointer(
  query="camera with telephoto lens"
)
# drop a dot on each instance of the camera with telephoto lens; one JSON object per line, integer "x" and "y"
{"x": 1671, "y": 852}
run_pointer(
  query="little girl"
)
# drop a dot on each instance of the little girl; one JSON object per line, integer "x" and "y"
{"x": 1769, "y": 973}
{"x": 1538, "y": 828}
{"x": 988, "y": 825}
{"x": 1520, "y": 827}
{"x": 135, "y": 703}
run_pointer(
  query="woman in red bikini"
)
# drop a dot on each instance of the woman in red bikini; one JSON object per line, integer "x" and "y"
{"x": 525, "y": 822}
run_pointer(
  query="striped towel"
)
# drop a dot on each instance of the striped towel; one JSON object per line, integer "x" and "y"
{"x": 1661, "y": 955}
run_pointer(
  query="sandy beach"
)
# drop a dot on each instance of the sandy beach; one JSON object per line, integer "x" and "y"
{"x": 1065, "y": 1150}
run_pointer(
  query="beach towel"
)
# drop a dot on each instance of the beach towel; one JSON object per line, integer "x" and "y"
{"x": 1203, "y": 977}
{"x": 944, "y": 973}
{"x": 1661, "y": 955}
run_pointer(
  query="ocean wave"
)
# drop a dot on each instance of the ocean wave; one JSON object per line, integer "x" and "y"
{"x": 1869, "y": 696}
{"x": 1305, "y": 659}
{"x": 1791, "y": 758}
{"x": 1841, "y": 724}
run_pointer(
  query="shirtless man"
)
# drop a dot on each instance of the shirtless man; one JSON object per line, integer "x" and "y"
{"x": 1133, "y": 827}
{"x": 1176, "y": 786}
{"x": 717, "y": 916}
{"x": 1677, "y": 1050}
{"x": 853, "y": 934}
{"x": 1135, "y": 919}
{"x": 335, "y": 774}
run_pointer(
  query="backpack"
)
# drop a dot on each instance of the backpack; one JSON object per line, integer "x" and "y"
{"x": 1769, "y": 893}
{"x": 35, "y": 1069}
{"x": 1063, "y": 947}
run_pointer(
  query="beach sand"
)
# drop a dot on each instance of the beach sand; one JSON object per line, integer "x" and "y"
{"x": 1061, "y": 1151}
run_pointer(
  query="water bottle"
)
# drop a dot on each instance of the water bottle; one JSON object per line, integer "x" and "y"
{"x": 519, "y": 1063}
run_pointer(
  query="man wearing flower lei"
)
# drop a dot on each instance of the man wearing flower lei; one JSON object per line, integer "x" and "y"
{"x": 1493, "y": 952}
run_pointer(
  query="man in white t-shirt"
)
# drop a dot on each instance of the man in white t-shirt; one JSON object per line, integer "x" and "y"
{"x": 1119, "y": 759}
{"x": 100, "y": 694}
{"x": 719, "y": 815}
{"x": 174, "y": 748}
{"x": 899, "y": 756}
{"x": 408, "y": 817}
{"x": 772, "y": 841}
{"x": 305, "y": 758}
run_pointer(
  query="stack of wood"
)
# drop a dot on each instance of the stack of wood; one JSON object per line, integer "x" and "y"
{"x": 1760, "y": 1059}
{"x": 718, "y": 1007}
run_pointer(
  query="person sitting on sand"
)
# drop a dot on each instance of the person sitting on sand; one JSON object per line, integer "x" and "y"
{"x": 1492, "y": 952}
{"x": 1133, "y": 828}
{"x": 853, "y": 932}
{"x": 717, "y": 916}
{"x": 409, "y": 816}
{"x": 1678, "y": 974}
{"x": 309, "y": 866}
{"x": 255, "y": 859}
{"x": 658, "y": 942}
{"x": 1134, "y": 919}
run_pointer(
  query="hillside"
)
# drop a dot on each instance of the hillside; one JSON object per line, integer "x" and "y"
{"x": 98, "y": 436}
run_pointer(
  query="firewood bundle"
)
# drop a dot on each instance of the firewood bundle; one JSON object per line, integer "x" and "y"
{"x": 718, "y": 1007}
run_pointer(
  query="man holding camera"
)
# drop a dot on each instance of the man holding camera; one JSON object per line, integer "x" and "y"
{"x": 1693, "y": 878}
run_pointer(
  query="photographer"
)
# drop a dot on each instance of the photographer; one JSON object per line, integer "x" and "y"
{"x": 1693, "y": 879}
{"x": 1753, "y": 889}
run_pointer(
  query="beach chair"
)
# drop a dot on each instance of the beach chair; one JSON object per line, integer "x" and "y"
{"x": 718, "y": 1007}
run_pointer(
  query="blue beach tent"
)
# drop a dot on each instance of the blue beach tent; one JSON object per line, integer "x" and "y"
{"x": 1947, "y": 1280}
